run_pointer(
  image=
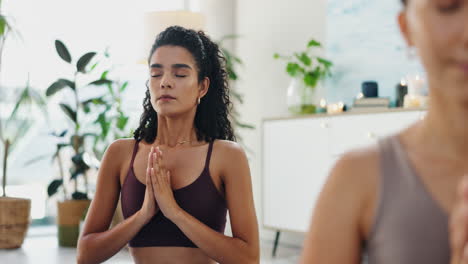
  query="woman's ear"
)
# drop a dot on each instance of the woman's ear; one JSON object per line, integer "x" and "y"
{"x": 204, "y": 86}
{"x": 404, "y": 27}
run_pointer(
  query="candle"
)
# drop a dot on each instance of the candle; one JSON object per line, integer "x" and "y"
{"x": 401, "y": 91}
{"x": 416, "y": 85}
{"x": 335, "y": 108}
{"x": 322, "y": 106}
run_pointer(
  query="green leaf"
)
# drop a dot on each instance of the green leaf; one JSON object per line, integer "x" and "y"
{"x": 104, "y": 75}
{"x": 68, "y": 111}
{"x": 96, "y": 101}
{"x": 293, "y": 68}
{"x": 79, "y": 196}
{"x": 63, "y": 145}
{"x": 101, "y": 82}
{"x": 276, "y": 56}
{"x": 55, "y": 87}
{"x": 62, "y": 134}
{"x": 238, "y": 60}
{"x": 3, "y": 25}
{"x": 232, "y": 75}
{"x": 68, "y": 83}
{"x": 86, "y": 108}
{"x": 311, "y": 78}
{"x": 325, "y": 62}
{"x": 53, "y": 187}
{"x": 122, "y": 122}
{"x": 62, "y": 51}
{"x": 105, "y": 125}
{"x": 83, "y": 61}
{"x": 94, "y": 66}
{"x": 313, "y": 43}
{"x": 123, "y": 87}
{"x": 23, "y": 128}
{"x": 304, "y": 58}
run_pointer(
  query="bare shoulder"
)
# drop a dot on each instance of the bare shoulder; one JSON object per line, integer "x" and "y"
{"x": 355, "y": 178}
{"x": 359, "y": 165}
{"x": 228, "y": 149}
{"x": 119, "y": 147}
{"x": 230, "y": 160}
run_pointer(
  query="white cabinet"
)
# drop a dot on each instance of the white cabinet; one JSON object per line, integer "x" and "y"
{"x": 299, "y": 153}
{"x": 296, "y": 163}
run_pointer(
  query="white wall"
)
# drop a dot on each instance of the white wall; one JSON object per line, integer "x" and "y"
{"x": 266, "y": 27}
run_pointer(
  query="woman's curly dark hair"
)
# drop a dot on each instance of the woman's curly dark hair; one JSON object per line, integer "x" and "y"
{"x": 212, "y": 115}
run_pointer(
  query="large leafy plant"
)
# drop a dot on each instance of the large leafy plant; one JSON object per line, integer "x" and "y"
{"x": 111, "y": 119}
{"x": 76, "y": 112}
{"x": 306, "y": 65}
{"x": 232, "y": 62}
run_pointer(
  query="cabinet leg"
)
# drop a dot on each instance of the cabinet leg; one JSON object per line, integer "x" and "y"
{"x": 275, "y": 245}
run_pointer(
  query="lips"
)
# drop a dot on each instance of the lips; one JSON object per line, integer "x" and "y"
{"x": 166, "y": 97}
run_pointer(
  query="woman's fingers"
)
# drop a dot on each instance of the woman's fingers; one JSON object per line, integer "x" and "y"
{"x": 150, "y": 158}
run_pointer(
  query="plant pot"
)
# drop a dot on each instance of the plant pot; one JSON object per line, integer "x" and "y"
{"x": 69, "y": 214}
{"x": 302, "y": 99}
{"x": 14, "y": 221}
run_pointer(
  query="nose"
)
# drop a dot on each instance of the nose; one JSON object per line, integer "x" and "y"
{"x": 166, "y": 81}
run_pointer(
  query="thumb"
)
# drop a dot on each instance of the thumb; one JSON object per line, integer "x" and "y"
{"x": 149, "y": 185}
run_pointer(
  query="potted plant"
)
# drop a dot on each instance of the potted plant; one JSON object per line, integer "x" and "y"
{"x": 306, "y": 70}
{"x": 71, "y": 209}
{"x": 15, "y": 212}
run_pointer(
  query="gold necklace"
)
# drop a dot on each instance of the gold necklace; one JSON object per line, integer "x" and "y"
{"x": 179, "y": 143}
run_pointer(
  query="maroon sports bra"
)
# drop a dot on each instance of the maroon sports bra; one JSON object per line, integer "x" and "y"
{"x": 201, "y": 199}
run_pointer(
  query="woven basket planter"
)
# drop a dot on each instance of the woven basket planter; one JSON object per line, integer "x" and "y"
{"x": 14, "y": 221}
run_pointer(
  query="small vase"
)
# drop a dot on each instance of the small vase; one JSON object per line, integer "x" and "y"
{"x": 302, "y": 99}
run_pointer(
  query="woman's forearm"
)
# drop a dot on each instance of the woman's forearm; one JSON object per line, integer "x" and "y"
{"x": 98, "y": 247}
{"x": 217, "y": 246}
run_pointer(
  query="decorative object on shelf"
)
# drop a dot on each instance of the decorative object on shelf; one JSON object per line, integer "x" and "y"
{"x": 306, "y": 70}
{"x": 71, "y": 209}
{"x": 366, "y": 104}
{"x": 335, "y": 108}
{"x": 416, "y": 92}
{"x": 401, "y": 91}
{"x": 322, "y": 106}
{"x": 370, "y": 89}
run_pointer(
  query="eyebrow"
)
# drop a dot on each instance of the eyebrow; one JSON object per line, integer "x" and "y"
{"x": 177, "y": 66}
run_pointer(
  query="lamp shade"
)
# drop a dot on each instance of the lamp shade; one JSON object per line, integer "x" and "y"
{"x": 156, "y": 22}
